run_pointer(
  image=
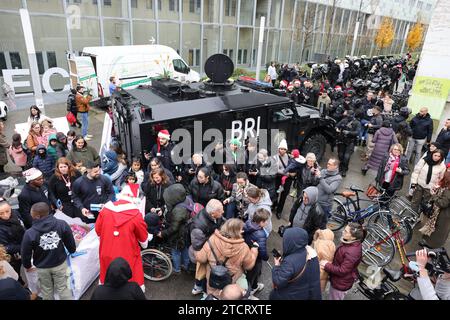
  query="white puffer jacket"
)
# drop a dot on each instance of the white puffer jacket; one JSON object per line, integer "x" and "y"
{"x": 419, "y": 175}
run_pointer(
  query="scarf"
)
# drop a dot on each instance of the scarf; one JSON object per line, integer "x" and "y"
{"x": 429, "y": 160}
{"x": 391, "y": 166}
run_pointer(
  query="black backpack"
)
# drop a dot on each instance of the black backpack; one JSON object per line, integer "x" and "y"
{"x": 219, "y": 276}
{"x": 70, "y": 103}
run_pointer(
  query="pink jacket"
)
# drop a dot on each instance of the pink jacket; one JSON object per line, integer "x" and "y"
{"x": 18, "y": 156}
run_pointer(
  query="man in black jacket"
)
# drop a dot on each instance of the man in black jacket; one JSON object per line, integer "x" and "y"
{"x": 422, "y": 130}
{"x": 91, "y": 191}
{"x": 202, "y": 227}
{"x": 163, "y": 150}
{"x": 348, "y": 130}
{"x": 33, "y": 192}
{"x": 46, "y": 241}
{"x": 443, "y": 138}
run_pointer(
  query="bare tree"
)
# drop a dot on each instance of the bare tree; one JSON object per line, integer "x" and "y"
{"x": 305, "y": 28}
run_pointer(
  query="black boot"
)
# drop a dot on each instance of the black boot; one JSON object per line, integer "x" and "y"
{"x": 364, "y": 171}
{"x": 364, "y": 143}
{"x": 278, "y": 214}
{"x": 343, "y": 173}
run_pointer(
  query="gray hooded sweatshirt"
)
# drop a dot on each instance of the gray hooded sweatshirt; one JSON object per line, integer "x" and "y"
{"x": 264, "y": 203}
{"x": 303, "y": 210}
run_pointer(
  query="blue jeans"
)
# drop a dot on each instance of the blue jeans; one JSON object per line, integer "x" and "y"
{"x": 84, "y": 123}
{"x": 179, "y": 256}
{"x": 364, "y": 134}
{"x": 230, "y": 210}
{"x": 447, "y": 160}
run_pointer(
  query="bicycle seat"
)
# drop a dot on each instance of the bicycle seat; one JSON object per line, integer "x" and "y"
{"x": 393, "y": 275}
{"x": 356, "y": 188}
{"x": 348, "y": 194}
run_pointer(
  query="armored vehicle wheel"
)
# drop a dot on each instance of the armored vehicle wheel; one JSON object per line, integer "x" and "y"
{"x": 315, "y": 144}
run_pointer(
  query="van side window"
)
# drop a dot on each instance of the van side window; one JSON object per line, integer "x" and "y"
{"x": 180, "y": 66}
{"x": 282, "y": 115}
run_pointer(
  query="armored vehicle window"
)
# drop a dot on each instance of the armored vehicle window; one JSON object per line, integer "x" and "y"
{"x": 180, "y": 66}
{"x": 282, "y": 115}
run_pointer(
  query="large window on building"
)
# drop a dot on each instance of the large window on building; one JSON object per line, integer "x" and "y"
{"x": 143, "y": 10}
{"x": 47, "y": 6}
{"x": 50, "y": 38}
{"x": 230, "y": 11}
{"x": 170, "y": 10}
{"x": 191, "y": 45}
{"x": 246, "y": 12}
{"x": 88, "y": 35}
{"x": 144, "y": 32}
{"x": 288, "y": 14}
{"x": 229, "y": 42}
{"x": 262, "y": 9}
{"x": 245, "y": 46}
{"x": 255, "y": 48}
{"x": 2, "y": 63}
{"x": 115, "y": 8}
{"x": 273, "y": 45}
{"x": 11, "y": 4}
{"x": 210, "y": 41}
{"x": 117, "y": 32}
{"x": 275, "y": 14}
{"x": 211, "y": 11}
{"x": 170, "y": 35}
{"x": 86, "y": 8}
{"x": 191, "y": 10}
{"x": 16, "y": 61}
{"x": 285, "y": 46}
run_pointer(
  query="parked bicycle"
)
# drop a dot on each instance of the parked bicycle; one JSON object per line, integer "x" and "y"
{"x": 343, "y": 213}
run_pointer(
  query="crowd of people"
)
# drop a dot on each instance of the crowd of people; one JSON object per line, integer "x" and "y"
{"x": 216, "y": 218}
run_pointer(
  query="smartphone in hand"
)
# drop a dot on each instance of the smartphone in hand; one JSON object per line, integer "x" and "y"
{"x": 276, "y": 253}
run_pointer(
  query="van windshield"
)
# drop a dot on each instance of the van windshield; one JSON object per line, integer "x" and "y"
{"x": 180, "y": 66}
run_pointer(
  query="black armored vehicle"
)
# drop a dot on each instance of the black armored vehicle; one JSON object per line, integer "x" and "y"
{"x": 235, "y": 110}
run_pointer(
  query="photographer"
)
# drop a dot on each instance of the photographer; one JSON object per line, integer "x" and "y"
{"x": 83, "y": 107}
{"x": 239, "y": 193}
{"x": 442, "y": 289}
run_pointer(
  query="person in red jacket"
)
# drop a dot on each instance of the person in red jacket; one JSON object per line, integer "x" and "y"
{"x": 121, "y": 229}
{"x": 343, "y": 270}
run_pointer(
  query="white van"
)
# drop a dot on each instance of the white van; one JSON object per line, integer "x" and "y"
{"x": 131, "y": 65}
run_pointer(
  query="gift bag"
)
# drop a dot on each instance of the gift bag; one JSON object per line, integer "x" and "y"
{"x": 71, "y": 118}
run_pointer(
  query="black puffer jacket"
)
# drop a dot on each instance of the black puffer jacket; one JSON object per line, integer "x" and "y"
{"x": 165, "y": 155}
{"x": 254, "y": 233}
{"x": 202, "y": 227}
{"x": 176, "y": 217}
{"x": 202, "y": 193}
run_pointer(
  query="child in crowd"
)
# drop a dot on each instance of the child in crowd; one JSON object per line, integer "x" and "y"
{"x": 61, "y": 147}
{"x": 254, "y": 232}
{"x": 71, "y": 134}
{"x": 52, "y": 144}
{"x": 136, "y": 168}
{"x": 296, "y": 161}
{"x": 44, "y": 162}
{"x": 131, "y": 189}
{"x": 80, "y": 167}
{"x": 324, "y": 245}
{"x": 16, "y": 152}
{"x": 47, "y": 130}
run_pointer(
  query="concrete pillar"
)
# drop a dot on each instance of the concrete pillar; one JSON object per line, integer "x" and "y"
{"x": 432, "y": 81}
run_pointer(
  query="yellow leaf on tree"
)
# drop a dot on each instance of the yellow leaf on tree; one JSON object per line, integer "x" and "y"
{"x": 385, "y": 34}
{"x": 415, "y": 36}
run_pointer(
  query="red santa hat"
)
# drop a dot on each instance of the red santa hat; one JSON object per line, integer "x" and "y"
{"x": 283, "y": 83}
{"x": 338, "y": 87}
{"x": 164, "y": 134}
{"x": 297, "y": 82}
{"x": 290, "y": 87}
{"x": 448, "y": 165}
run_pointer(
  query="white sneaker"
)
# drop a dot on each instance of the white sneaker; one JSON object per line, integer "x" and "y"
{"x": 87, "y": 138}
{"x": 197, "y": 290}
{"x": 257, "y": 289}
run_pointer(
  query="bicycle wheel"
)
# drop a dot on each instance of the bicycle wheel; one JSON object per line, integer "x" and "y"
{"x": 157, "y": 265}
{"x": 381, "y": 219}
{"x": 378, "y": 248}
{"x": 338, "y": 216}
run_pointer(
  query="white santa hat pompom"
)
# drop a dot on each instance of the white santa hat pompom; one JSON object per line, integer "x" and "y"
{"x": 164, "y": 134}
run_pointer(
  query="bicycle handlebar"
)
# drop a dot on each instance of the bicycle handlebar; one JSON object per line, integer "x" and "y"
{"x": 438, "y": 250}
